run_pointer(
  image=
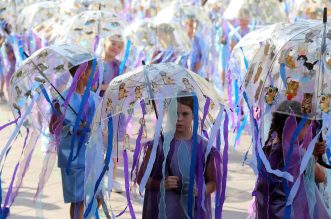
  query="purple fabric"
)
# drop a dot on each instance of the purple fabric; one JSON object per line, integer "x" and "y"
{"x": 294, "y": 166}
{"x": 24, "y": 164}
{"x": 269, "y": 189}
{"x": 127, "y": 187}
{"x": 95, "y": 42}
{"x": 138, "y": 141}
{"x": 111, "y": 70}
{"x": 5, "y": 205}
{"x": 11, "y": 122}
{"x": 174, "y": 208}
{"x": 225, "y": 164}
{"x": 200, "y": 157}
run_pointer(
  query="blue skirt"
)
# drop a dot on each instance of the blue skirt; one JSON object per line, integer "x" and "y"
{"x": 73, "y": 185}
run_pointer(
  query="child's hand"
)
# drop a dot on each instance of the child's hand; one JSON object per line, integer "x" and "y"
{"x": 320, "y": 148}
{"x": 171, "y": 182}
{"x": 195, "y": 190}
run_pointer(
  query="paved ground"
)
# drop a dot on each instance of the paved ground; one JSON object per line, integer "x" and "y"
{"x": 240, "y": 183}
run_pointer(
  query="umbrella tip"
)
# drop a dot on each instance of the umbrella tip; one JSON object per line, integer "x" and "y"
{"x": 325, "y": 15}
{"x": 143, "y": 62}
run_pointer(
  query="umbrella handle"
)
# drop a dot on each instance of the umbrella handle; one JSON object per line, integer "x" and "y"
{"x": 320, "y": 160}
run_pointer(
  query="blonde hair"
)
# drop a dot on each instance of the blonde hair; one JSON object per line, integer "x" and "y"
{"x": 116, "y": 37}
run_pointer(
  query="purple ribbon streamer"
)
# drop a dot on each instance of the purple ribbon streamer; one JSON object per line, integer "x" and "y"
{"x": 72, "y": 88}
{"x": 138, "y": 141}
{"x": 25, "y": 164}
{"x": 127, "y": 188}
{"x": 200, "y": 160}
{"x": 95, "y": 43}
{"x": 11, "y": 122}
{"x": 225, "y": 164}
{"x": 14, "y": 175}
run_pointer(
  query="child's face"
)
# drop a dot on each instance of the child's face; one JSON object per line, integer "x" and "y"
{"x": 191, "y": 27}
{"x": 184, "y": 119}
{"x": 243, "y": 23}
{"x": 114, "y": 47}
{"x": 86, "y": 75}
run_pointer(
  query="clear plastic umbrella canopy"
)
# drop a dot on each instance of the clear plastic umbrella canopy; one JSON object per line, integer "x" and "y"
{"x": 74, "y": 7}
{"x": 287, "y": 84}
{"x": 261, "y": 12}
{"x": 33, "y": 88}
{"x": 291, "y": 62}
{"x": 35, "y": 14}
{"x": 147, "y": 97}
{"x": 148, "y": 34}
{"x": 83, "y": 28}
{"x": 46, "y": 68}
{"x": 48, "y": 28}
{"x": 245, "y": 50}
{"x": 10, "y": 10}
{"x": 308, "y": 9}
{"x": 180, "y": 13}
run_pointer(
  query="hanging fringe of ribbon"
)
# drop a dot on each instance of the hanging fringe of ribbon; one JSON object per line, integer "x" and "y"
{"x": 6, "y": 206}
{"x": 193, "y": 156}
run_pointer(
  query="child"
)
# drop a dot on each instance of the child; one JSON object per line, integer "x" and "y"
{"x": 270, "y": 192}
{"x": 73, "y": 182}
{"x": 112, "y": 47}
{"x": 198, "y": 55}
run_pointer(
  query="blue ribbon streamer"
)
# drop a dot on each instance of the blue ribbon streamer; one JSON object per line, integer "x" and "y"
{"x": 194, "y": 155}
{"x": 107, "y": 161}
{"x": 77, "y": 122}
{"x": 48, "y": 99}
{"x": 241, "y": 128}
{"x": 245, "y": 59}
{"x": 86, "y": 130}
{"x": 127, "y": 52}
{"x": 282, "y": 72}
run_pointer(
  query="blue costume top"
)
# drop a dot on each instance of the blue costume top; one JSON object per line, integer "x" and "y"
{"x": 66, "y": 135}
{"x": 198, "y": 53}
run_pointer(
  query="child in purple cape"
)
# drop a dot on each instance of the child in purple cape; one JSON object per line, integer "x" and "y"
{"x": 270, "y": 190}
{"x": 178, "y": 171}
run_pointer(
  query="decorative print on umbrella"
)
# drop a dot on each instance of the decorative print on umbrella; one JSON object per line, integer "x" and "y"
{"x": 86, "y": 26}
{"x": 139, "y": 96}
{"x": 35, "y": 14}
{"x": 37, "y": 82}
{"x": 291, "y": 82}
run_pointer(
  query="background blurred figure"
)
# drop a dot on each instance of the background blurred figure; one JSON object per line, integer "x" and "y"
{"x": 198, "y": 55}
{"x": 112, "y": 47}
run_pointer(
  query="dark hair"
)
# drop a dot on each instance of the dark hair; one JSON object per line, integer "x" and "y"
{"x": 279, "y": 117}
{"x": 73, "y": 69}
{"x": 187, "y": 101}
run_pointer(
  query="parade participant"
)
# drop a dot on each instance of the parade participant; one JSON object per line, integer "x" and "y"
{"x": 73, "y": 182}
{"x": 197, "y": 56}
{"x": 112, "y": 47}
{"x": 178, "y": 171}
{"x": 270, "y": 193}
